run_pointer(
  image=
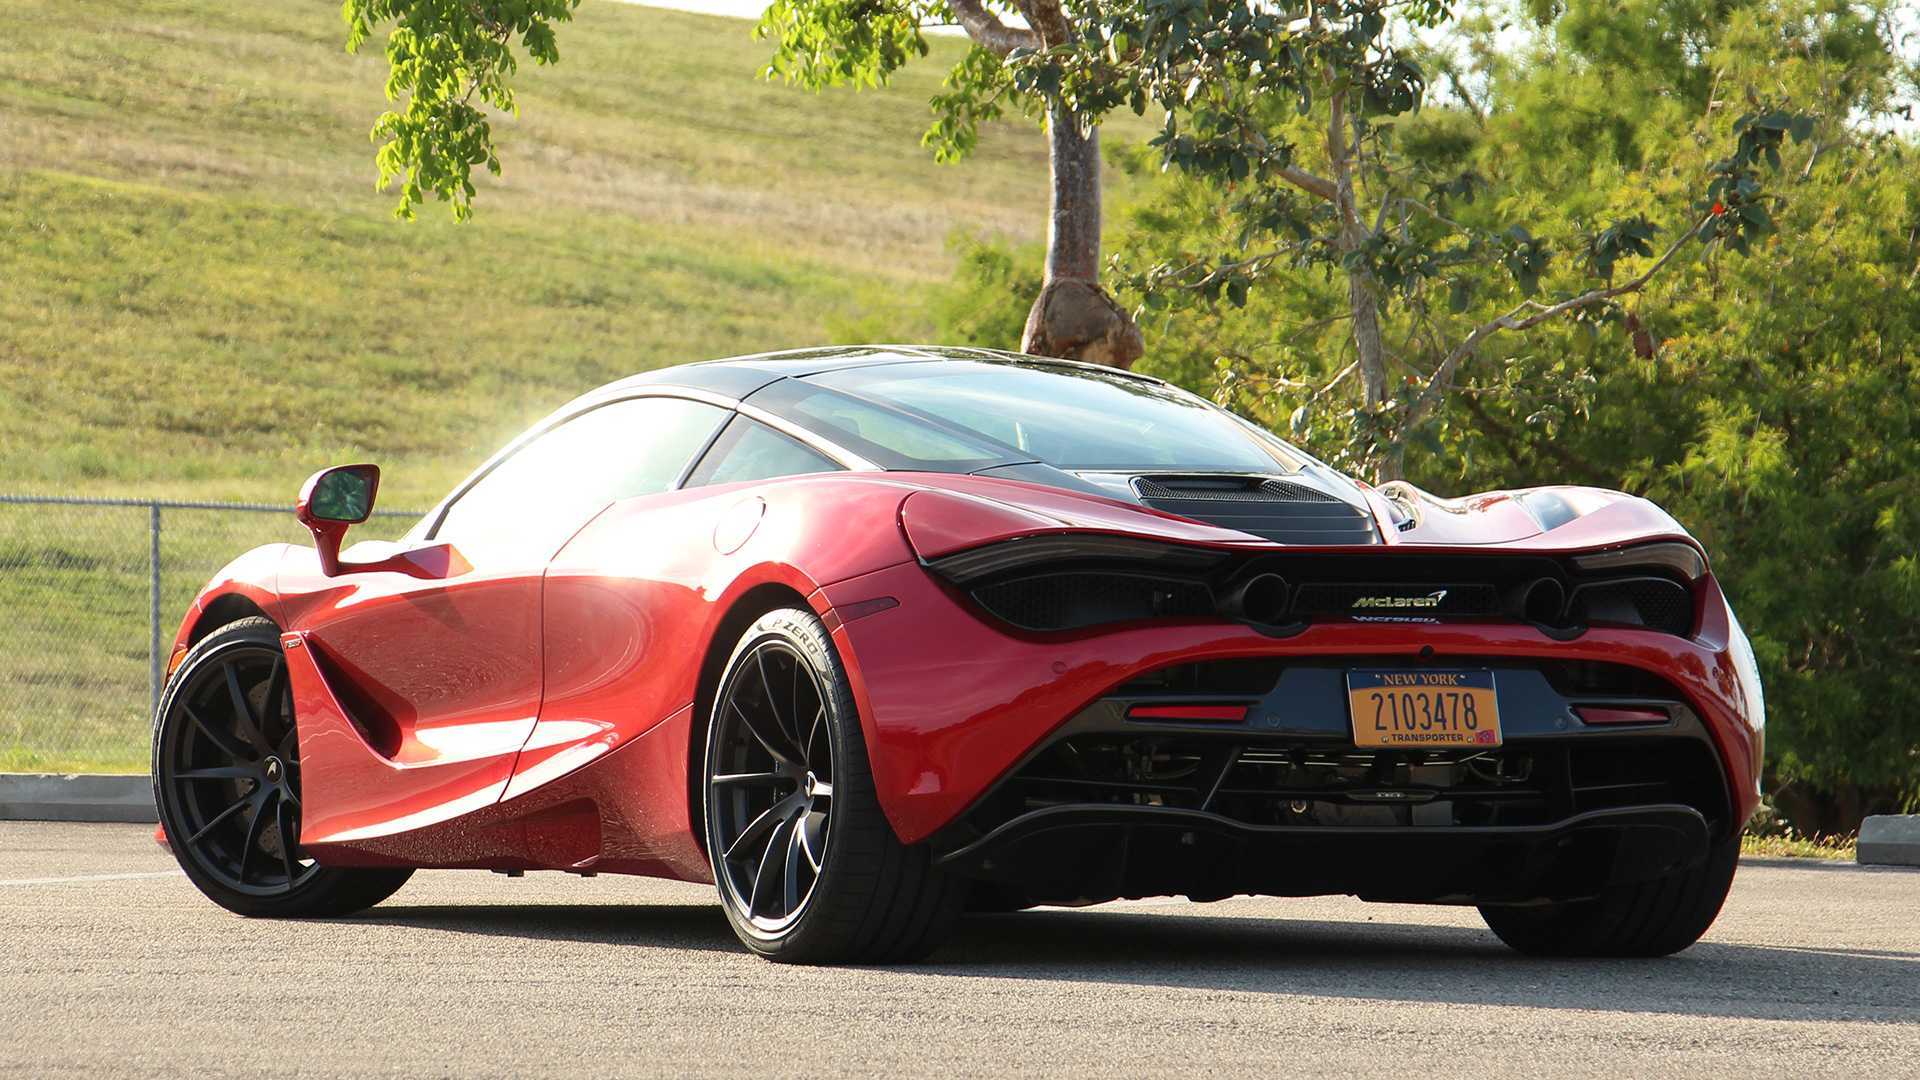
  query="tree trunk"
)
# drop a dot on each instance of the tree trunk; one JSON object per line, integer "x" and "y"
{"x": 1366, "y": 338}
{"x": 1073, "y": 317}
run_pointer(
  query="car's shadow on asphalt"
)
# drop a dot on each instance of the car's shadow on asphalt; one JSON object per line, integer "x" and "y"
{"x": 667, "y": 926}
{"x": 1402, "y": 965}
{"x": 1411, "y": 965}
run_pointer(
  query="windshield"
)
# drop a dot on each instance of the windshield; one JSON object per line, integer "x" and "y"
{"x": 962, "y": 415}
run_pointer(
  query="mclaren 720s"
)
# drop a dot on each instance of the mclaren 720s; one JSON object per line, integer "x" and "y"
{"x": 867, "y": 636}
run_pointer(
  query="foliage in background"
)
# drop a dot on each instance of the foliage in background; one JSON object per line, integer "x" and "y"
{"x": 442, "y": 55}
{"x": 1772, "y": 403}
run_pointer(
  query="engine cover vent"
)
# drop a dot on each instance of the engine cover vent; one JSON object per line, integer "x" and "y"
{"x": 1278, "y": 510}
{"x": 1229, "y": 489}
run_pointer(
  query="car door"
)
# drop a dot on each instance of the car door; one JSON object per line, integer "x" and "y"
{"x": 621, "y": 597}
{"x": 444, "y": 677}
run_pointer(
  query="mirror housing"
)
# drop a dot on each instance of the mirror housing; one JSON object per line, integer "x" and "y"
{"x": 331, "y": 500}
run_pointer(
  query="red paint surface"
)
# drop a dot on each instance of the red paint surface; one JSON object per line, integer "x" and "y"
{"x": 949, "y": 703}
{"x": 543, "y": 716}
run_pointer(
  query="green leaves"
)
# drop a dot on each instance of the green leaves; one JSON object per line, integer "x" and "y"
{"x": 1633, "y": 236}
{"x": 1524, "y": 257}
{"x": 1735, "y": 208}
{"x": 448, "y": 61}
{"x": 854, "y": 43}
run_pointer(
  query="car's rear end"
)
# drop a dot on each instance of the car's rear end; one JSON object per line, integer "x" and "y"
{"x": 1309, "y": 700}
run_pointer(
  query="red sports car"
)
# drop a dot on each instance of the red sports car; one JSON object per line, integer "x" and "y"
{"x": 865, "y": 636}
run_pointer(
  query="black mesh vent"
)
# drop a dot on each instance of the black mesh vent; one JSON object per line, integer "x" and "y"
{"x": 1232, "y": 490}
{"x": 1276, "y": 782}
{"x": 1655, "y": 603}
{"x": 1071, "y": 600}
{"x": 1277, "y": 510}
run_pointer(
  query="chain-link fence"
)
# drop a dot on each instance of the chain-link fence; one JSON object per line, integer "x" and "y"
{"x": 91, "y": 592}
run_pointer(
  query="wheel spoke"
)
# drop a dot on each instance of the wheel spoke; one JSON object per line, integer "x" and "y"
{"x": 221, "y": 739}
{"x": 283, "y": 817}
{"x": 822, "y": 789}
{"x": 790, "y": 872}
{"x": 761, "y": 876}
{"x": 270, "y": 709}
{"x": 220, "y": 817}
{"x": 811, "y": 826}
{"x": 813, "y": 731}
{"x": 757, "y": 829}
{"x": 793, "y": 709}
{"x": 784, "y": 723}
{"x": 220, "y": 772}
{"x": 249, "y": 724}
{"x": 751, "y": 779}
{"x": 253, "y": 831}
{"x": 761, "y": 736}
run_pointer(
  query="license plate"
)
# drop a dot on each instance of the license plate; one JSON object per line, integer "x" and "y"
{"x": 1423, "y": 708}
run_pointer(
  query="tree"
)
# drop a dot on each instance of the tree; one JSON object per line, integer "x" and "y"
{"x": 448, "y": 59}
{"x": 442, "y": 55}
{"x": 860, "y": 43}
{"x": 1771, "y": 403}
{"x": 1289, "y": 113}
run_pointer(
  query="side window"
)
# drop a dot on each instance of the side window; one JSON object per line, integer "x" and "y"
{"x": 530, "y": 503}
{"x": 750, "y": 450}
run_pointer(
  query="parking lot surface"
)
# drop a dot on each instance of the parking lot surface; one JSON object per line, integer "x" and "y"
{"x": 110, "y": 963}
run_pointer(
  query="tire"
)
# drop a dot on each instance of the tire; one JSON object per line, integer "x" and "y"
{"x": 848, "y": 889}
{"x": 1650, "y": 918}
{"x": 224, "y": 738}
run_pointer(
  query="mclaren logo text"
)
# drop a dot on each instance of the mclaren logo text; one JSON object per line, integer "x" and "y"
{"x": 1430, "y": 600}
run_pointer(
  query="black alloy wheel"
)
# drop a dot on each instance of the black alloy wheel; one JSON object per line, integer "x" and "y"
{"x": 808, "y": 868}
{"x": 771, "y": 798}
{"x": 226, "y": 780}
{"x": 232, "y": 772}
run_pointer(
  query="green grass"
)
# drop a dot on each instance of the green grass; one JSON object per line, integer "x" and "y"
{"x": 1794, "y": 846}
{"x": 204, "y": 297}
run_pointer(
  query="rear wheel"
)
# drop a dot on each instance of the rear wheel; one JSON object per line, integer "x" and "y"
{"x": 226, "y": 781}
{"x": 1651, "y": 918}
{"x": 807, "y": 867}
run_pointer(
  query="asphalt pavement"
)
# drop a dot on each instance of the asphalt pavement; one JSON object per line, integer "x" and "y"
{"x": 111, "y": 964}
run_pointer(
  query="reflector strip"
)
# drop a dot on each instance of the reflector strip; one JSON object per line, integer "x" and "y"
{"x": 1222, "y": 714}
{"x": 1594, "y": 714}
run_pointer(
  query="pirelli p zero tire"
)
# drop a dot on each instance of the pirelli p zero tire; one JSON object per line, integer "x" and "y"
{"x": 1651, "y": 918}
{"x": 807, "y": 867}
{"x": 226, "y": 781}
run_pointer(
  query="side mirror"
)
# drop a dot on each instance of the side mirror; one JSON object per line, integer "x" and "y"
{"x": 333, "y": 499}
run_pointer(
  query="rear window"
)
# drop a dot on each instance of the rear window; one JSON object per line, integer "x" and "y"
{"x": 963, "y": 415}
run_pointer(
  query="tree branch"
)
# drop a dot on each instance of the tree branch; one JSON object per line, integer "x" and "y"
{"x": 1443, "y": 375}
{"x": 987, "y": 31}
{"x": 1309, "y": 183}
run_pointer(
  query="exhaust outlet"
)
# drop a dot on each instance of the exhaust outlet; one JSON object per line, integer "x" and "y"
{"x": 1261, "y": 598}
{"x": 1544, "y": 602}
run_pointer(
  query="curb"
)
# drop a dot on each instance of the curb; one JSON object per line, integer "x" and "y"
{"x": 56, "y": 797}
{"x": 1890, "y": 840}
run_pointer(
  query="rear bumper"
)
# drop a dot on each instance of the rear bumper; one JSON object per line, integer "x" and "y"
{"x": 1090, "y": 854}
{"x": 951, "y": 702}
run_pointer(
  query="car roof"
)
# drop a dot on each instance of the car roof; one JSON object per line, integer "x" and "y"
{"x": 738, "y": 377}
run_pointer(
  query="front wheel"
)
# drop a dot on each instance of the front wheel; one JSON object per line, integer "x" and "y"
{"x": 807, "y": 867}
{"x": 226, "y": 781}
{"x": 1649, "y": 918}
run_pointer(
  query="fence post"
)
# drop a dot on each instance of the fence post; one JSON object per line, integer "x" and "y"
{"x": 153, "y": 608}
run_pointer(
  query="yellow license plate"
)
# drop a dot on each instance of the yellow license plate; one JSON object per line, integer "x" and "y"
{"x": 1423, "y": 708}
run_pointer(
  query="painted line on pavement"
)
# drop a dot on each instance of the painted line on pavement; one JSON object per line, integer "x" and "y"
{"x": 91, "y": 877}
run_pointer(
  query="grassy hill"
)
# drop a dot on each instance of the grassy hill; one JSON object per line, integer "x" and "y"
{"x": 205, "y": 298}
{"x": 202, "y": 296}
